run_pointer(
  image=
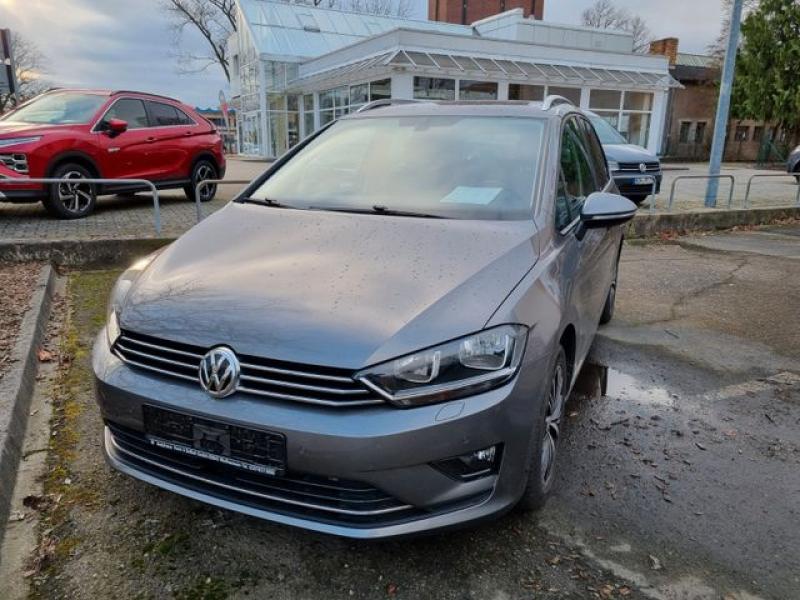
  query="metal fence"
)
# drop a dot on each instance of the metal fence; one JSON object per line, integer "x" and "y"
{"x": 679, "y": 177}
{"x": 758, "y": 175}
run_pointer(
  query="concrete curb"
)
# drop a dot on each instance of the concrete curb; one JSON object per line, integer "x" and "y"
{"x": 122, "y": 251}
{"x": 16, "y": 388}
{"x": 646, "y": 225}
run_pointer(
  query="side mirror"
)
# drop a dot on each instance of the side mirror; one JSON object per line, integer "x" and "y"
{"x": 115, "y": 126}
{"x": 602, "y": 209}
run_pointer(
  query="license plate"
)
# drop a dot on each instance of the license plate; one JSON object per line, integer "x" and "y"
{"x": 244, "y": 448}
{"x": 642, "y": 181}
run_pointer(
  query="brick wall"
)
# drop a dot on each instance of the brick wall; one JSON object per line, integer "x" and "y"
{"x": 667, "y": 47}
{"x": 469, "y": 11}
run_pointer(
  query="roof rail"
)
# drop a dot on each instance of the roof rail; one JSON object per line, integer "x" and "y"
{"x": 554, "y": 100}
{"x": 116, "y": 92}
{"x": 385, "y": 102}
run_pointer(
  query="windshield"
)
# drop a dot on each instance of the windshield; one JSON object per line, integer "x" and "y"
{"x": 58, "y": 109}
{"x": 606, "y": 132}
{"x": 463, "y": 167}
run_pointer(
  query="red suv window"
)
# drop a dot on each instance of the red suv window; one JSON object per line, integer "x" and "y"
{"x": 166, "y": 115}
{"x": 130, "y": 110}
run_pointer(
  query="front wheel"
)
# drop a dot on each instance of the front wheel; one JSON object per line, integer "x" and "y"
{"x": 72, "y": 199}
{"x": 546, "y": 436}
{"x": 204, "y": 170}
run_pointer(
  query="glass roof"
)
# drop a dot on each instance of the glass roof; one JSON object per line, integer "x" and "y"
{"x": 515, "y": 70}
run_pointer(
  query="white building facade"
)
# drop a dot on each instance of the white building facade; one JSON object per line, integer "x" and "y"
{"x": 297, "y": 67}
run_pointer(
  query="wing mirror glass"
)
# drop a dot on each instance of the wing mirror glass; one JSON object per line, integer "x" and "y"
{"x": 602, "y": 209}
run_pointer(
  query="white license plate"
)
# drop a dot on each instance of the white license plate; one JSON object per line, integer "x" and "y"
{"x": 642, "y": 181}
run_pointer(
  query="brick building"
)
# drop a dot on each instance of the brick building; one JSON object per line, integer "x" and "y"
{"x": 465, "y": 12}
{"x": 689, "y": 124}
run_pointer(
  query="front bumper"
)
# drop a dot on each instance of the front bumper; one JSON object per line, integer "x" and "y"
{"x": 15, "y": 188}
{"x": 373, "y": 451}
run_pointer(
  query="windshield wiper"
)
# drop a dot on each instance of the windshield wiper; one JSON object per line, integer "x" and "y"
{"x": 265, "y": 202}
{"x": 377, "y": 209}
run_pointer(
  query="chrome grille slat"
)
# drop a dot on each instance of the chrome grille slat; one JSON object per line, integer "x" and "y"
{"x": 302, "y": 386}
{"x": 322, "y": 386}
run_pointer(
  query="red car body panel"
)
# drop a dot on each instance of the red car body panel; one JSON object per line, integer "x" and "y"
{"x": 164, "y": 155}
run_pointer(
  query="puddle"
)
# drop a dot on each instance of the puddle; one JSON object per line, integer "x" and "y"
{"x": 597, "y": 381}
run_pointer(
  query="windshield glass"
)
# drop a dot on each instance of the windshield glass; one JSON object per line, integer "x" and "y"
{"x": 450, "y": 166}
{"x": 58, "y": 109}
{"x": 606, "y": 132}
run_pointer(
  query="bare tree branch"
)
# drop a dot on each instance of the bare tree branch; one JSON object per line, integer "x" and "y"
{"x": 29, "y": 65}
{"x": 718, "y": 46}
{"x": 604, "y": 14}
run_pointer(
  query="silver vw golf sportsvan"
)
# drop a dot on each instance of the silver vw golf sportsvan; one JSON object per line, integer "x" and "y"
{"x": 378, "y": 336}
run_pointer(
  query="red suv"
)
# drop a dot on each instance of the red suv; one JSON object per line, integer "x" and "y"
{"x": 85, "y": 134}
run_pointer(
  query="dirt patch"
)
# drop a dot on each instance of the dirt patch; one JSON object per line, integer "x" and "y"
{"x": 16, "y": 287}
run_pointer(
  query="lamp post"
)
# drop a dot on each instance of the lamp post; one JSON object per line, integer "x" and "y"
{"x": 723, "y": 104}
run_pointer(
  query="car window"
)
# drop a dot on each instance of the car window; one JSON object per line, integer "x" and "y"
{"x": 183, "y": 118}
{"x": 576, "y": 180}
{"x": 455, "y": 166}
{"x": 596, "y": 153}
{"x": 129, "y": 110}
{"x": 162, "y": 115}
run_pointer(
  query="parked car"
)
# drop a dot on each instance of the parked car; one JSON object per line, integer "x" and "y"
{"x": 379, "y": 335}
{"x": 91, "y": 134}
{"x": 793, "y": 163}
{"x": 631, "y": 166}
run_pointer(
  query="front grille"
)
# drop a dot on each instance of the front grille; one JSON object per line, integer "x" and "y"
{"x": 650, "y": 167}
{"x": 15, "y": 162}
{"x": 327, "y": 499}
{"x": 275, "y": 379}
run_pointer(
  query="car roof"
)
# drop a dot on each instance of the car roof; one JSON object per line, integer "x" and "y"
{"x": 101, "y": 92}
{"x": 500, "y": 108}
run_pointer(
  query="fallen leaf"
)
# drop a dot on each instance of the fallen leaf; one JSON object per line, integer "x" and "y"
{"x": 44, "y": 355}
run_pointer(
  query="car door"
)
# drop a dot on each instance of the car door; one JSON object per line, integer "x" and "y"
{"x": 125, "y": 155}
{"x": 583, "y": 248}
{"x": 168, "y": 150}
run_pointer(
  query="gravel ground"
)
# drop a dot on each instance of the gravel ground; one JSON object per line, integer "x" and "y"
{"x": 16, "y": 286}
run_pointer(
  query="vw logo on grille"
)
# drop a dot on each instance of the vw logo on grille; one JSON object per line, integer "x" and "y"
{"x": 219, "y": 372}
{"x": 642, "y": 167}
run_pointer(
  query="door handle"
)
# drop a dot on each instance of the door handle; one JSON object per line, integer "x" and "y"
{"x": 188, "y": 133}
{"x": 150, "y": 140}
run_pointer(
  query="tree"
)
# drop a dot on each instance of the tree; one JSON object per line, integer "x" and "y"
{"x": 767, "y": 82}
{"x": 215, "y": 20}
{"x": 718, "y": 46}
{"x": 29, "y": 65}
{"x": 604, "y": 14}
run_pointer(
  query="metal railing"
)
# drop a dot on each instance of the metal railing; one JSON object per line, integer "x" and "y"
{"x": 679, "y": 177}
{"x": 137, "y": 182}
{"x": 206, "y": 182}
{"x": 750, "y": 182}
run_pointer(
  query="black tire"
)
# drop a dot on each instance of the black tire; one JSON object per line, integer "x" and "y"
{"x": 71, "y": 200}
{"x": 637, "y": 199}
{"x": 203, "y": 170}
{"x": 543, "y": 454}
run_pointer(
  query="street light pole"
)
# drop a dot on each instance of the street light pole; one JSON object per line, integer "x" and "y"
{"x": 723, "y": 104}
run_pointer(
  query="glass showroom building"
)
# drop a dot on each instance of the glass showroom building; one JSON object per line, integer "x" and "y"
{"x": 296, "y": 67}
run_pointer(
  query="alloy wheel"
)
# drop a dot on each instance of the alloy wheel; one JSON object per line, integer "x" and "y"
{"x": 552, "y": 422}
{"x": 205, "y": 172}
{"x": 75, "y": 197}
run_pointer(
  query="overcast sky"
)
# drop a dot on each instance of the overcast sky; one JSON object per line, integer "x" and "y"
{"x": 126, "y": 44}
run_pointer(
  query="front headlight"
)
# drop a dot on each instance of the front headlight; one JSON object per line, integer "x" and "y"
{"x": 120, "y": 291}
{"x": 469, "y": 365}
{"x": 20, "y": 140}
{"x": 613, "y": 165}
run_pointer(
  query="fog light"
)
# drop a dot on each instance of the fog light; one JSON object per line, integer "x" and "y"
{"x": 473, "y": 465}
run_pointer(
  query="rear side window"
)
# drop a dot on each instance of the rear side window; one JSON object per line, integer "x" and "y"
{"x": 162, "y": 115}
{"x": 183, "y": 118}
{"x": 129, "y": 110}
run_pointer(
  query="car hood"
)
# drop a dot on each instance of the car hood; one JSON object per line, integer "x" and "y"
{"x": 323, "y": 288}
{"x": 628, "y": 153}
{"x": 10, "y": 128}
